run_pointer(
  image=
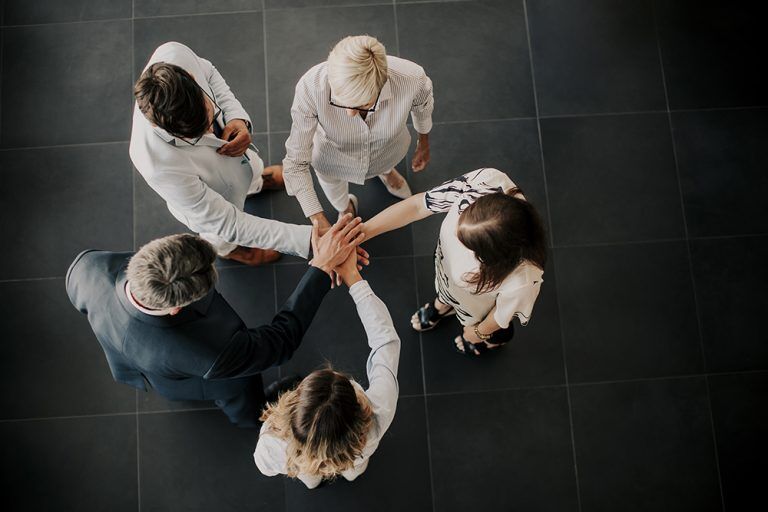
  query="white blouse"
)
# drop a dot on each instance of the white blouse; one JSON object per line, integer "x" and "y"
{"x": 516, "y": 294}
{"x": 271, "y": 451}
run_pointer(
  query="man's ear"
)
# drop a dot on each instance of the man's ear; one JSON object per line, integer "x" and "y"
{"x": 175, "y": 311}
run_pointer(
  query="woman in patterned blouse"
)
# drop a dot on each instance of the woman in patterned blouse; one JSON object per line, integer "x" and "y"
{"x": 490, "y": 256}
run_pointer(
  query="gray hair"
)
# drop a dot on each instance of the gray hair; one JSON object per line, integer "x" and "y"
{"x": 171, "y": 272}
{"x": 357, "y": 70}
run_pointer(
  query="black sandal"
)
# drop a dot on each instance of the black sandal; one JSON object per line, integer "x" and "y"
{"x": 473, "y": 349}
{"x": 429, "y": 316}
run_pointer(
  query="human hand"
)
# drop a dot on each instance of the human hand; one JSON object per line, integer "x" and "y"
{"x": 470, "y": 336}
{"x": 333, "y": 248}
{"x": 322, "y": 222}
{"x": 238, "y": 137}
{"x": 420, "y": 157}
{"x": 349, "y": 270}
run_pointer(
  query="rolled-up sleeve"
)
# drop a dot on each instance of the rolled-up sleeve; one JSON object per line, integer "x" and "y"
{"x": 423, "y": 105}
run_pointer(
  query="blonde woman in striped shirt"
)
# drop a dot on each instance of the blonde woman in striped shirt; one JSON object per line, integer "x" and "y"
{"x": 349, "y": 123}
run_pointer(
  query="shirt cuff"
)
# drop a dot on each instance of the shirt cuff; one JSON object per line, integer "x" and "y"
{"x": 422, "y": 125}
{"x": 360, "y": 290}
{"x": 309, "y": 203}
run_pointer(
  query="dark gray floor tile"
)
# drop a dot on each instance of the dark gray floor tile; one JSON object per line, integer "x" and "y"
{"x": 288, "y": 58}
{"x": 385, "y": 485}
{"x": 284, "y": 4}
{"x": 61, "y": 88}
{"x": 611, "y": 179}
{"x": 730, "y": 285}
{"x": 456, "y": 149}
{"x": 70, "y": 464}
{"x": 151, "y": 218}
{"x": 645, "y": 446}
{"x": 595, "y": 56}
{"x": 199, "y": 461}
{"x": 53, "y": 367}
{"x": 336, "y": 334}
{"x": 709, "y": 50}
{"x": 722, "y": 158}
{"x": 476, "y": 54}
{"x": 741, "y": 430}
{"x": 628, "y": 311}
{"x": 239, "y": 59}
{"x": 373, "y": 197}
{"x": 20, "y": 12}
{"x": 148, "y": 8}
{"x": 504, "y": 450}
{"x": 533, "y": 358}
{"x": 251, "y": 293}
{"x": 57, "y": 202}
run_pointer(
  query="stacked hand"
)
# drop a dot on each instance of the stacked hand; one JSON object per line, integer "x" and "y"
{"x": 338, "y": 244}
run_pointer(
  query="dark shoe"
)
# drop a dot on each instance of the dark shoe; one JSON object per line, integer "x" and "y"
{"x": 273, "y": 178}
{"x": 253, "y": 256}
{"x": 428, "y": 317}
{"x": 277, "y": 388}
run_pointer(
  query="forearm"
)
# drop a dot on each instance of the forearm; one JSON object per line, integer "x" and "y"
{"x": 396, "y": 216}
{"x": 298, "y": 183}
{"x": 489, "y": 325}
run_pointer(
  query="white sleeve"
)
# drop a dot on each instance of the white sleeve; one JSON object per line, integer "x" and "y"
{"x": 230, "y": 106}
{"x": 383, "y": 360}
{"x": 466, "y": 188}
{"x": 270, "y": 455}
{"x": 208, "y": 212}
{"x": 298, "y": 150}
{"x": 423, "y": 105}
{"x": 516, "y": 303}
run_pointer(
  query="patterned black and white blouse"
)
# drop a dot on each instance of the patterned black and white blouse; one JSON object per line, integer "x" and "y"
{"x": 516, "y": 295}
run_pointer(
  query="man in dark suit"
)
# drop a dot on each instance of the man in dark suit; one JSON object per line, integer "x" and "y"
{"x": 159, "y": 319}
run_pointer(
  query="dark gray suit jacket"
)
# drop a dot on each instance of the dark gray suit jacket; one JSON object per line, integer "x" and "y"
{"x": 205, "y": 352}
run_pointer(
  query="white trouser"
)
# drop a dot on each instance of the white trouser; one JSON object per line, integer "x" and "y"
{"x": 223, "y": 247}
{"x": 337, "y": 190}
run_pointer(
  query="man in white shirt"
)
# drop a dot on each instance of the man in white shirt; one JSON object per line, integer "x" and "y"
{"x": 191, "y": 142}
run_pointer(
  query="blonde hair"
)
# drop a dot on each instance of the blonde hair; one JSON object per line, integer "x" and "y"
{"x": 325, "y": 422}
{"x": 357, "y": 70}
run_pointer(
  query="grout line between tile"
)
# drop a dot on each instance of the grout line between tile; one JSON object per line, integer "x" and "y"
{"x": 138, "y": 454}
{"x": 423, "y": 377}
{"x": 552, "y": 242}
{"x": 692, "y": 275}
{"x": 397, "y": 29}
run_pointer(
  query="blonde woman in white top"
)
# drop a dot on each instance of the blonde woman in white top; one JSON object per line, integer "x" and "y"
{"x": 490, "y": 256}
{"x": 349, "y": 123}
{"x": 329, "y": 425}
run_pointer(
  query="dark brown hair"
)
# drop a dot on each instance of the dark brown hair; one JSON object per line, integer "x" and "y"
{"x": 503, "y": 231}
{"x": 325, "y": 422}
{"x": 171, "y": 99}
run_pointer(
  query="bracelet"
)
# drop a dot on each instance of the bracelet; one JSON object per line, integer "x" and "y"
{"x": 483, "y": 337}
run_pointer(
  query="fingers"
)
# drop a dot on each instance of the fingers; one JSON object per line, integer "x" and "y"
{"x": 354, "y": 232}
{"x": 237, "y": 145}
{"x": 341, "y": 223}
{"x": 350, "y": 225}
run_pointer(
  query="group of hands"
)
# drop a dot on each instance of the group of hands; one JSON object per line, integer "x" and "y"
{"x": 336, "y": 250}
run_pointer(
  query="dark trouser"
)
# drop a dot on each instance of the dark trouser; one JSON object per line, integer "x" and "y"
{"x": 244, "y": 409}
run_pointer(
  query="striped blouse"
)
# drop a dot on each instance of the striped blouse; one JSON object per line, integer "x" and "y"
{"x": 352, "y": 148}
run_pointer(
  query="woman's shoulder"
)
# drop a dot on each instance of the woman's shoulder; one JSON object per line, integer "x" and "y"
{"x": 402, "y": 68}
{"x": 491, "y": 177}
{"x": 526, "y": 274}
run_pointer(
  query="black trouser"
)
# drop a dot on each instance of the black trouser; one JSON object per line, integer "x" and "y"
{"x": 244, "y": 409}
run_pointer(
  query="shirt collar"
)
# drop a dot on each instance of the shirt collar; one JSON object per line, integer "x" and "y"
{"x": 146, "y": 311}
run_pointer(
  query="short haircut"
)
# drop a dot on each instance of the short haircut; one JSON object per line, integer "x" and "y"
{"x": 357, "y": 70}
{"x": 174, "y": 271}
{"x": 170, "y": 98}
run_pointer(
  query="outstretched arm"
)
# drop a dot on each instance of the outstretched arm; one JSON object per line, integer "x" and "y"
{"x": 396, "y": 216}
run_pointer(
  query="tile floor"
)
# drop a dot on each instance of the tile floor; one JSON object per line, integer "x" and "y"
{"x": 639, "y": 130}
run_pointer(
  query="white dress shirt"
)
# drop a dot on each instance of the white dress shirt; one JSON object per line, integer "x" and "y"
{"x": 352, "y": 148}
{"x": 205, "y": 190}
{"x": 270, "y": 455}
